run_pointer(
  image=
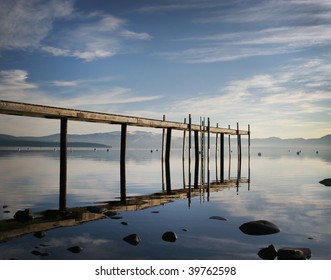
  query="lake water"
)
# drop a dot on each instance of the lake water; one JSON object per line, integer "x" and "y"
{"x": 284, "y": 189}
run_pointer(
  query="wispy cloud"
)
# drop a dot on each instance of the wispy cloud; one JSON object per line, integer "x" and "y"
{"x": 14, "y": 86}
{"x": 281, "y": 99}
{"x": 24, "y": 24}
{"x": 265, "y": 28}
{"x": 33, "y": 24}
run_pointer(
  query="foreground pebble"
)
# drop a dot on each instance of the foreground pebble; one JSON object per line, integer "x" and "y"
{"x": 132, "y": 239}
{"x": 286, "y": 253}
{"x": 260, "y": 227}
{"x": 169, "y": 236}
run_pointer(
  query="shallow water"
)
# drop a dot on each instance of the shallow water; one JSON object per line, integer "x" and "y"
{"x": 284, "y": 189}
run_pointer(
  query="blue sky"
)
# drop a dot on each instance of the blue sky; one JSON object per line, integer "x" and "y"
{"x": 263, "y": 63}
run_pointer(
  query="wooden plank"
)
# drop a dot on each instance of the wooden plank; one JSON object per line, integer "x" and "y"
{"x": 40, "y": 111}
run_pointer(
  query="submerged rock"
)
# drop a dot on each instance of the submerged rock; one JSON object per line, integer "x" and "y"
{"x": 96, "y": 209}
{"x": 23, "y": 216}
{"x": 326, "y": 182}
{"x": 218, "y": 218}
{"x": 169, "y": 236}
{"x": 39, "y": 234}
{"x": 75, "y": 249}
{"x": 260, "y": 227}
{"x": 268, "y": 253}
{"x": 132, "y": 239}
{"x": 288, "y": 253}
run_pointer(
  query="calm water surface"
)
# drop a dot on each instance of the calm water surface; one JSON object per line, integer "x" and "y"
{"x": 284, "y": 189}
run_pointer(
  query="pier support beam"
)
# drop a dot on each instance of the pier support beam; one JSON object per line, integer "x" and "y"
{"x": 63, "y": 164}
{"x": 122, "y": 163}
{"x": 196, "y": 157}
{"x": 167, "y": 161}
{"x": 239, "y": 152}
{"x": 222, "y": 157}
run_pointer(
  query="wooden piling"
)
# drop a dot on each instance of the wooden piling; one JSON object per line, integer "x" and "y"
{"x": 208, "y": 156}
{"x": 196, "y": 157}
{"x": 63, "y": 164}
{"x": 216, "y": 154}
{"x": 162, "y": 155}
{"x": 167, "y": 161}
{"x": 222, "y": 157}
{"x": 249, "y": 156}
{"x": 229, "y": 175}
{"x": 238, "y": 152}
{"x": 123, "y": 162}
{"x": 189, "y": 157}
{"x": 183, "y": 154}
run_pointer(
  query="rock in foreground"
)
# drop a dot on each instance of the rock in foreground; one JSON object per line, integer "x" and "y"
{"x": 132, "y": 239}
{"x": 294, "y": 253}
{"x": 260, "y": 227}
{"x": 326, "y": 182}
{"x": 169, "y": 236}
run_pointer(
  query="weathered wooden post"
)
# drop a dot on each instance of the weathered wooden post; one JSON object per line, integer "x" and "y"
{"x": 167, "y": 161}
{"x": 239, "y": 152}
{"x": 208, "y": 156}
{"x": 63, "y": 164}
{"x": 196, "y": 157}
{"x": 162, "y": 155}
{"x": 183, "y": 153}
{"x": 189, "y": 157}
{"x": 229, "y": 154}
{"x": 249, "y": 156}
{"x": 202, "y": 151}
{"x": 123, "y": 162}
{"x": 216, "y": 153}
{"x": 222, "y": 157}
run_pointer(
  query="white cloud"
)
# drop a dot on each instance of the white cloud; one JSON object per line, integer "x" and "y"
{"x": 24, "y": 24}
{"x": 33, "y": 24}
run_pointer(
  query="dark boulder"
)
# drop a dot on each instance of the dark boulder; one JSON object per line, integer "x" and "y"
{"x": 288, "y": 253}
{"x": 260, "y": 227}
{"x": 132, "y": 239}
{"x": 326, "y": 182}
{"x": 39, "y": 234}
{"x": 169, "y": 236}
{"x": 268, "y": 253}
{"x": 23, "y": 216}
{"x": 96, "y": 209}
{"x": 75, "y": 249}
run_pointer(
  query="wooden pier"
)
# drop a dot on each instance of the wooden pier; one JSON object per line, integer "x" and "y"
{"x": 65, "y": 115}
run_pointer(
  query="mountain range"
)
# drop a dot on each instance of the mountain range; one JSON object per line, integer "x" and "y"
{"x": 141, "y": 139}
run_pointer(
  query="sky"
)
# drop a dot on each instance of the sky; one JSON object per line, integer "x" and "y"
{"x": 261, "y": 63}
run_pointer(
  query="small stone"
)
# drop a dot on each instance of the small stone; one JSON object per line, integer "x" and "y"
{"x": 288, "y": 253}
{"x": 39, "y": 234}
{"x": 35, "y": 252}
{"x": 110, "y": 213}
{"x": 268, "y": 253}
{"x": 6, "y": 211}
{"x": 75, "y": 249}
{"x": 132, "y": 239}
{"x": 116, "y": 217}
{"x": 169, "y": 236}
{"x": 260, "y": 227}
{"x": 218, "y": 218}
{"x": 326, "y": 182}
{"x": 184, "y": 229}
{"x": 23, "y": 216}
{"x": 95, "y": 209}
{"x": 124, "y": 223}
{"x": 155, "y": 212}
{"x": 5, "y": 206}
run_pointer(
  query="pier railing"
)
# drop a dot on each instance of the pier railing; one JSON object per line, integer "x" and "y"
{"x": 202, "y": 152}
